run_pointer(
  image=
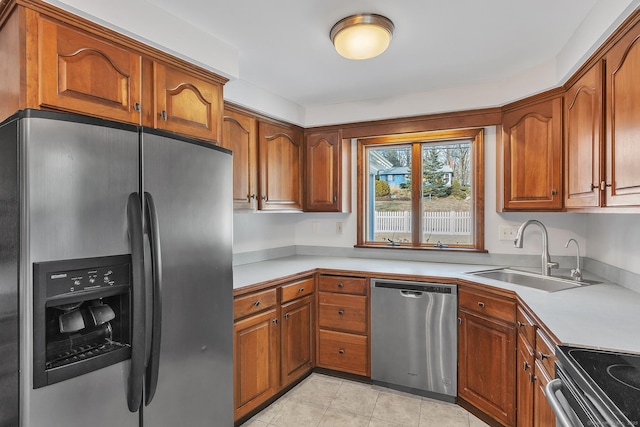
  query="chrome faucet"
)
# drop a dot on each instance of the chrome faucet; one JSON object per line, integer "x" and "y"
{"x": 547, "y": 265}
{"x": 576, "y": 274}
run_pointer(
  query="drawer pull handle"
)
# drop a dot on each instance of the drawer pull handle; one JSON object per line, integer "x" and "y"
{"x": 543, "y": 355}
{"x": 286, "y": 316}
{"x": 340, "y": 285}
{"x": 341, "y": 351}
{"x": 525, "y": 366}
{"x": 340, "y": 312}
{"x": 257, "y": 303}
{"x": 275, "y": 321}
{"x": 520, "y": 324}
{"x": 481, "y": 304}
{"x": 301, "y": 290}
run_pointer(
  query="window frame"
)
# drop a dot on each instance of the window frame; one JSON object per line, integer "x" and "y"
{"x": 417, "y": 139}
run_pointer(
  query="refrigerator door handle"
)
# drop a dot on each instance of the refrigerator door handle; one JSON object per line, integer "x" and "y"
{"x": 136, "y": 373}
{"x": 151, "y": 378}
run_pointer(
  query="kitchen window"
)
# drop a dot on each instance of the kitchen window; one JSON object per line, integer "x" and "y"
{"x": 422, "y": 190}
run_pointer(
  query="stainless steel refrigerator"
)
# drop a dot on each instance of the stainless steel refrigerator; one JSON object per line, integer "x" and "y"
{"x": 79, "y": 196}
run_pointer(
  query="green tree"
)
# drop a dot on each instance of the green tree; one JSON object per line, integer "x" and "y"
{"x": 382, "y": 188}
{"x": 434, "y": 182}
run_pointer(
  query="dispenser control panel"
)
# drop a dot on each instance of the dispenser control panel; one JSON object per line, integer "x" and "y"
{"x": 70, "y": 281}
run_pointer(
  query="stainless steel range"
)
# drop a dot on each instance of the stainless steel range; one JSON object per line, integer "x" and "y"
{"x": 595, "y": 388}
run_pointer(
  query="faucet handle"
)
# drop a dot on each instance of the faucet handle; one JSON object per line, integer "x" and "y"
{"x": 576, "y": 274}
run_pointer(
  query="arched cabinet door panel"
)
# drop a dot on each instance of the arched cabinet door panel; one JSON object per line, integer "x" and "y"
{"x": 622, "y": 183}
{"x": 583, "y": 141}
{"x": 82, "y": 73}
{"x": 532, "y": 157}
{"x": 239, "y": 134}
{"x": 280, "y": 154}
{"x": 186, "y": 104}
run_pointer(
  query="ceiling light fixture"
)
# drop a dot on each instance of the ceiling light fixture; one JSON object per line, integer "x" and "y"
{"x": 362, "y": 36}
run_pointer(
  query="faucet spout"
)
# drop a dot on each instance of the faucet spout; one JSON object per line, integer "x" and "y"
{"x": 576, "y": 274}
{"x": 547, "y": 264}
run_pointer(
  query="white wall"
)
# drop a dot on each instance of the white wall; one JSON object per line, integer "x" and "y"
{"x": 615, "y": 240}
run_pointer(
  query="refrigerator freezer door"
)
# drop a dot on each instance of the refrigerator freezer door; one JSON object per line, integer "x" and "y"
{"x": 191, "y": 186}
{"x": 9, "y": 248}
{"x": 78, "y": 178}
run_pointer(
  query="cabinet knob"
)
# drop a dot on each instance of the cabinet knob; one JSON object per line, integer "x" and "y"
{"x": 286, "y": 316}
{"x": 264, "y": 198}
{"x": 340, "y": 285}
{"x": 525, "y": 366}
{"x": 136, "y": 107}
{"x": 163, "y": 114}
{"x": 252, "y": 197}
{"x": 341, "y": 312}
{"x": 554, "y": 191}
{"x": 520, "y": 324}
{"x": 275, "y": 321}
{"x": 532, "y": 378}
{"x": 480, "y": 304}
{"x": 335, "y": 199}
{"x": 301, "y": 290}
{"x": 341, "y": 351}
{"x": 543, "y": 356}
{"x": 257, "y": 303}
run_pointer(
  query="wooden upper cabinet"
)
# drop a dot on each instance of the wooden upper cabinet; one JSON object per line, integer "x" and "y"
{"x": 187, "y": 104}
{"x": 280, "y": 154}
{"x": 327, "y": 179}
{"x": 532, "y": 156}
{"x": 623, "y": 119}
{"x": 85, "y": 74}
{"x": 583, "y": 140}
{"x": 240, "y": 135}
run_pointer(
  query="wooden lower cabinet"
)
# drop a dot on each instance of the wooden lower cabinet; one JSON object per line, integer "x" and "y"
{"x": 297, "y": 338}
{"x": 486, "y": 366}
{"x": 343, "y": 352}
{"x": 543, "y": 415}
{"x": 343, "y": 324}
{"x": 274, "y": 341}
{"x": 525, "y": 382}
{"x": 256, "y": 361}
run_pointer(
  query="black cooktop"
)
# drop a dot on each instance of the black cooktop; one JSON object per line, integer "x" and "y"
{"x": 616, "y": 374}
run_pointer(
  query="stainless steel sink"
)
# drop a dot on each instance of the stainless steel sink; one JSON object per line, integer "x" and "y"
{"x": 532, "y": 280}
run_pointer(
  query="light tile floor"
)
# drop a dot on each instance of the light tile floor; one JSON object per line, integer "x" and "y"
{"x": 324, "y": 401}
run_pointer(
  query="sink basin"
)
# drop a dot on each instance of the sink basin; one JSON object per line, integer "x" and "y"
{"x": 532, "y": 280}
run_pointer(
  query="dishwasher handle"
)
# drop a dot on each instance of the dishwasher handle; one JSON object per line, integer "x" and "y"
{"x": 411, "y": 294}
{"x": 416, "y": 288}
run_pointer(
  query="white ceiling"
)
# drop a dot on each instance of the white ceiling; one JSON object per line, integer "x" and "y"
{"x": 284, "y": 45}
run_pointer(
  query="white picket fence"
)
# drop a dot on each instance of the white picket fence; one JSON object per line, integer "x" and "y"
{"x": 433, "y": 222}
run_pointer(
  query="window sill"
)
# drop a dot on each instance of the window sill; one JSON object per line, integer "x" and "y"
{"x": 422, "y": 248}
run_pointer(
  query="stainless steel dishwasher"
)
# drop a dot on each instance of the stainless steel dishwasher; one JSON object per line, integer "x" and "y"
{"x": 414, "y": 337}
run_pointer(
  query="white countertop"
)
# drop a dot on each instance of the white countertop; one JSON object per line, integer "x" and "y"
{"x": 603, "y": 315}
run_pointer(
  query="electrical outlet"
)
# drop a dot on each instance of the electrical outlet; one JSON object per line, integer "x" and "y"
{"x": 507, "y": 232}
{"x": 339, "y": 227}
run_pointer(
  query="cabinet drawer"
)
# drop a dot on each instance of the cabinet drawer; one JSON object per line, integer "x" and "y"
{"x": 343, "y": 284}
{"x": 253, "y": 303}
{"x": 343, "y": 312}
{"x": 526, "y": 327}
{"x": 488, "y": 305}
{"x": 545, "y": 353}
{"x": 297, "y": 289}
{"x": 343, "y": 352}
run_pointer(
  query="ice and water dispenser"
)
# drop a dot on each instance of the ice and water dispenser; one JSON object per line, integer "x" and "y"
{"x": 82, "y": 316}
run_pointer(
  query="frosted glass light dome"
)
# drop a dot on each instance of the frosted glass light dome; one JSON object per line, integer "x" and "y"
{"x": 362, "y": 36}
